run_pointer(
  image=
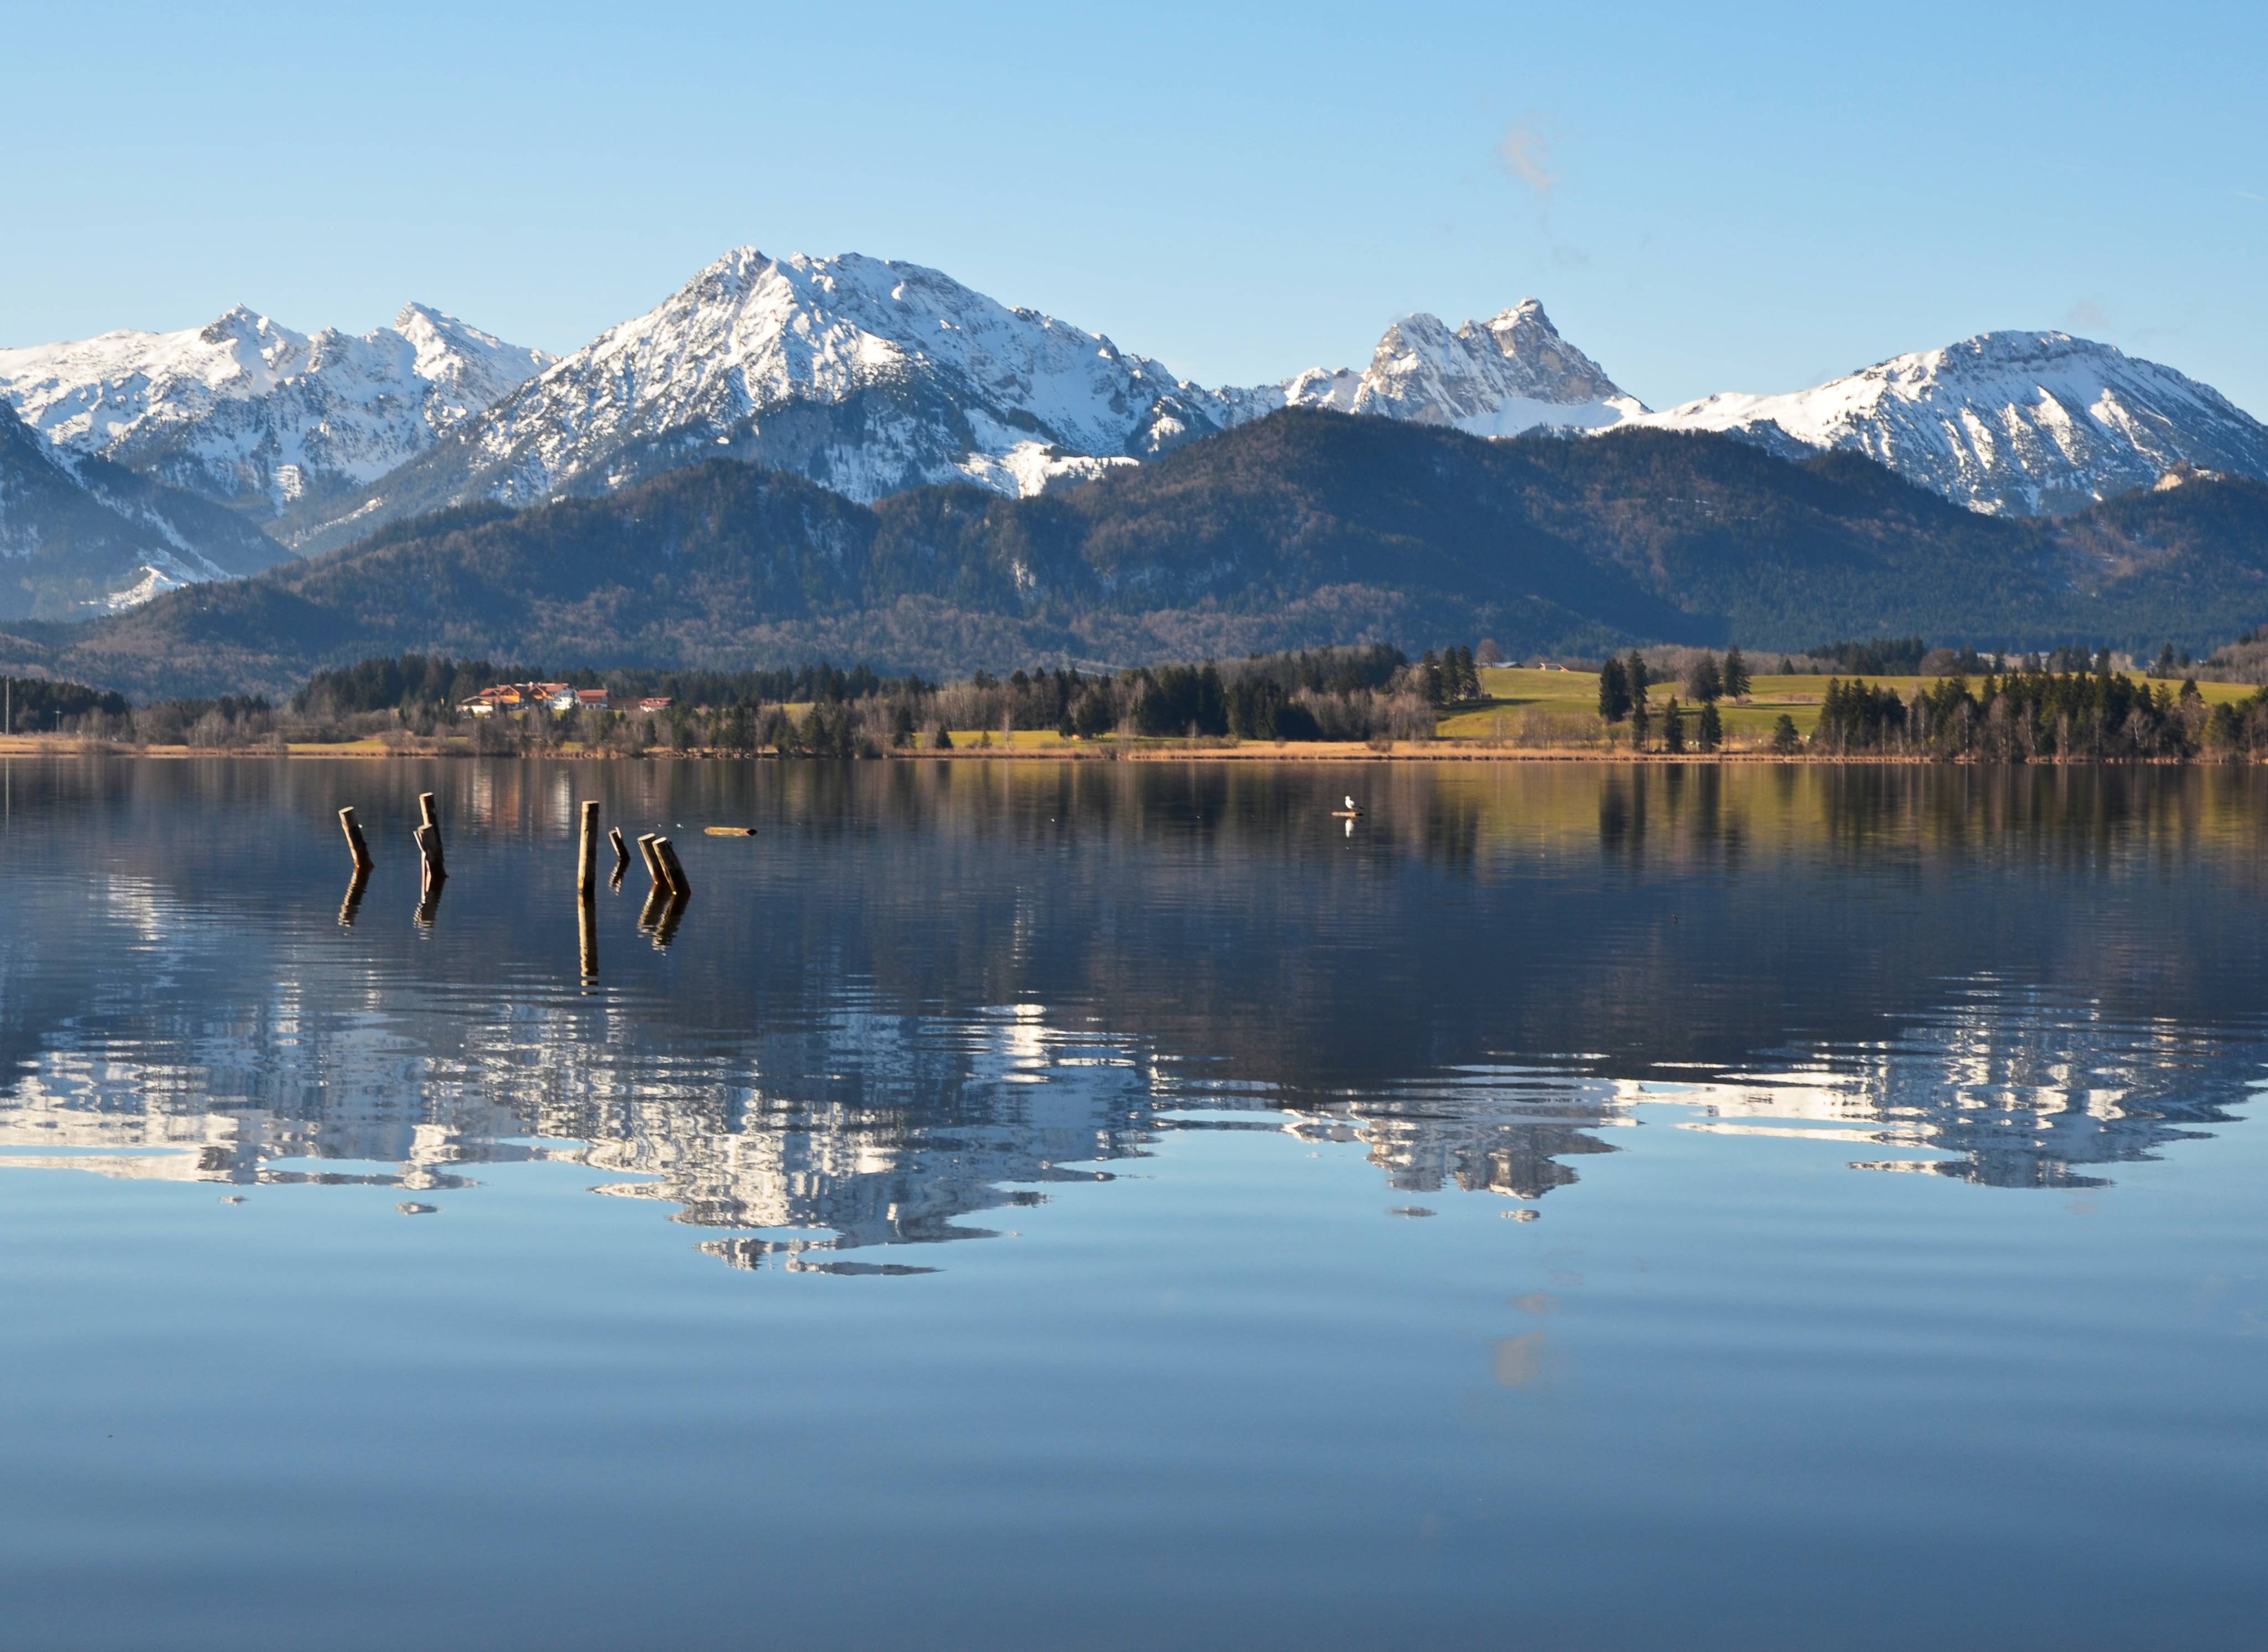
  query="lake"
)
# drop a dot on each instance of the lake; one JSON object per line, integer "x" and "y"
{"x": 1121, "y": 1205}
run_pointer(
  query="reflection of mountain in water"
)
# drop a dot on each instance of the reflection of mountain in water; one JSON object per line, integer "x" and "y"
{"x": 915, "y": 1123}
{"x": 964, "y": 986}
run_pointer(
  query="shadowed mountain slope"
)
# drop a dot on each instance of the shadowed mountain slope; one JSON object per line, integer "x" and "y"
{"x": 1302, "y": 528}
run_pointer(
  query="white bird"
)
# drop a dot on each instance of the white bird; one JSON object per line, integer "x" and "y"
{"x": 1350, "y": 803}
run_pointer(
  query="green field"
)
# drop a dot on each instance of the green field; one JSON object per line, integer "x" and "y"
{"x": 1541, "y": 699}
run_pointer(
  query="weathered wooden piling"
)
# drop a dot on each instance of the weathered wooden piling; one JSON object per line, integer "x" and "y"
{"x": 665, "y": 852}
{"x": 586, "y": 858}
{"x": 429, "y": 845}
{"x": 621, "y": 851}
{"x": 429, "y": 836}
{"x": 653, "y": 862}
{"x": 357, "y": 845}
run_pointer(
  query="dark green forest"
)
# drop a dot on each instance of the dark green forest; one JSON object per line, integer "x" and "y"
{"x": 1302, "y": 530}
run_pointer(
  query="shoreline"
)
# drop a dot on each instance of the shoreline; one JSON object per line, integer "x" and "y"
{"x": 1293, "y": 752}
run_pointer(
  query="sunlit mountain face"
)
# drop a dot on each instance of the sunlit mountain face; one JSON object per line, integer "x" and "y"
{"x": 923, "y": 997}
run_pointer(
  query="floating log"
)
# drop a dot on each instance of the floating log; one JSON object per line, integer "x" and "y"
{"x": 666, "y": 853}
{"x": 357, "y": 845}
{"x": 586, "y": 858}
{"x": 730, "y": 831}
{"x": 1346, "y": 813}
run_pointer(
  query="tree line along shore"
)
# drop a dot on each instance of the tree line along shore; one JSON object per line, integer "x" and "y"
{"x": 1656, "y": 704}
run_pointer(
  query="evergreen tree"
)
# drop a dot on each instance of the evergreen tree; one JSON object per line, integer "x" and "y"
{"x": 943, "y": 739}
{"x": 1614, "y": 691}
{"x": 1704, "y": 681}
{"x": 1672, "y": 726}
{"x": 1634, "y": 673}
{"x": 1469, "y": 678}
{"x": 1736, "y": 675}
{"x": 1641, "y": 724}
{"x": 1785, "y": 740}
{"x": 1709, "y": 733}
{"x": 1431, "y": 681}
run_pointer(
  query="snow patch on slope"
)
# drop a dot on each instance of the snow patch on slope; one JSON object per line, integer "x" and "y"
{"x": 953, "y": 386}
{"x": 245, "y": 405}
{"x": 2007, "y": 423}
{"x": 1505, "y": 376}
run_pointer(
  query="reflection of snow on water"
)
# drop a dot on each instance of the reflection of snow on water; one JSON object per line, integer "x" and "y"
{"x": 921, "y": 1121}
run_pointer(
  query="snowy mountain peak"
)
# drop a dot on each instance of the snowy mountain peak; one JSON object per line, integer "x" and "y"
{"x": 870, "y": 374}
{"x": 244, "y": 407}
{"x": 2007, "y": 423}
{"x": 1510, "y": 373}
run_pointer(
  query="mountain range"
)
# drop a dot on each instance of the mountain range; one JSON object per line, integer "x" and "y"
{"x": 136, "y": 462}
{"x": 1306, "y": 528}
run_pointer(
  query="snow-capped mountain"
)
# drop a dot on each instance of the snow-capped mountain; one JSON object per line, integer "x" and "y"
{"x": 1510, "y": 373}
{"x": 2009, "y": 423}
{"x": 247, "y": 411}
{"x": 81, "y": 536}
{"x": 868, "y": 375}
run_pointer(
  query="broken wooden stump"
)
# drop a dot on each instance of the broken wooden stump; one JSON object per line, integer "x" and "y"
{"x": 357, "y": 845}
{"x": 429, "y": 836}
{"x": 679, "y": 886}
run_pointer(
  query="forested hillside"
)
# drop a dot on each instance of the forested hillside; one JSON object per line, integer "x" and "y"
{"x": 1302, "y": 529}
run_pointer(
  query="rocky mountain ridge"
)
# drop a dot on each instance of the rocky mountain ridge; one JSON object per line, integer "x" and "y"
{"x": 247, "y": 412}
{"x": 2011, "y": 423}
{"x": 872, "y": 377}
{"x": 81, "y": 537}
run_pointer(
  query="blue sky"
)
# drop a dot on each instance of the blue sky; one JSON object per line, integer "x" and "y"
{"x": 1705, "y": 198}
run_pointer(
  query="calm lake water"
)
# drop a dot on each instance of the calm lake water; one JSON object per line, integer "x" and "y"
{"x": 1119, "y": 1206}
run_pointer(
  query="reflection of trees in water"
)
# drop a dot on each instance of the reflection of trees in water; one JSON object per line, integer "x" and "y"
{"x": 835, "y": 1079}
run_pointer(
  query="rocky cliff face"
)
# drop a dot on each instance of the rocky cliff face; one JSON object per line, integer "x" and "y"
{"x": 1501, "y": 377}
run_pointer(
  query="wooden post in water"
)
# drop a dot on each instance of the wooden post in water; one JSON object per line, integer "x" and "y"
{"x": 653, "y": 861}
{"x": 586, "y": 858}
{"x": 356, "y": 845}
{"x": 665, "y": 852}
{"x": 429, "y": 833}
{"x": 429, "y": 844}
{"x": 621, "y": 851}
